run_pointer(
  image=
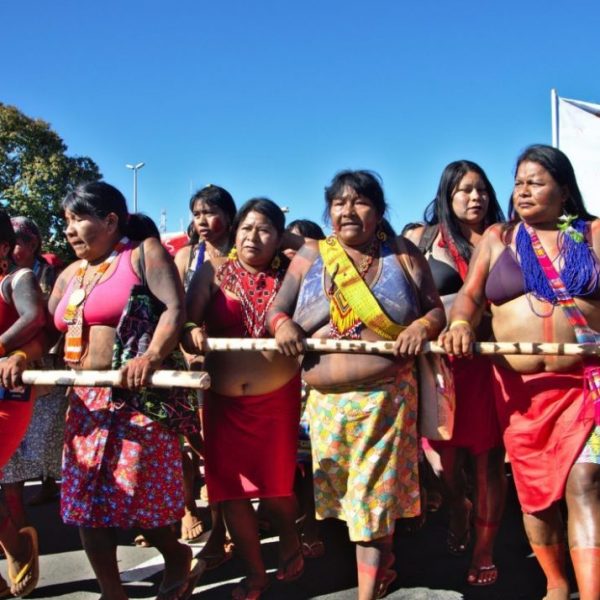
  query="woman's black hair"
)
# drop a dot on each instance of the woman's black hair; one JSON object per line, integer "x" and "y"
{"x": 560, "y": 168}
{"x": 364, "y": 183}
{"x": 439, "y": 210}
{"x": 214, "y": 196}
{"x": 307, "y": 229}
{"x": 99, "y": 199}
{"x": 7, "y": 233}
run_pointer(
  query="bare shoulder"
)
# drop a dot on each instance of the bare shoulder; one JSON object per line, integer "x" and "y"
{"x": 182, "y": 255}
{"x": 414, "y": 234}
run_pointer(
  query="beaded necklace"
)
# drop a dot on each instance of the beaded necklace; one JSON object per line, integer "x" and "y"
{"x": 343, "y": 322}
{"x": 255, "y": 292}
{"x": 73, "y": 314}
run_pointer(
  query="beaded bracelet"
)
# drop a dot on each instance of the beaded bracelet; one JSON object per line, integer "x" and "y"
{"x": 277, "y": 320}
{"x": 19, "y": 353}
{"x": 190, "y": 325}
{"x": 425, "y": 322}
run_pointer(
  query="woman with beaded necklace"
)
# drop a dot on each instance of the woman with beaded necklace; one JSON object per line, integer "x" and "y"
{"x": 362, "y": 284}
{"x": 541, "y": 276}
{"x": 252, "y": 410}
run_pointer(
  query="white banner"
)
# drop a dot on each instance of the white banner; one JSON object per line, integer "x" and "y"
{"x": 579, "y": 139}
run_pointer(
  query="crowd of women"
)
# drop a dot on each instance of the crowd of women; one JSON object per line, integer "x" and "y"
{"x": 463, "y": 275}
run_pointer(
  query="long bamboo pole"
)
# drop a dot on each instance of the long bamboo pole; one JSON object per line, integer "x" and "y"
{"x": 163, "y": 379}
{"x": 384, "y": 347}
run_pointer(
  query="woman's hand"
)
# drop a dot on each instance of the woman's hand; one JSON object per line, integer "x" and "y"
{"x": 11, "y": 369}
{"x": 290, "y": 338}
{"x": 136, "y": 372}
{"x": 194, "y": 341}
{"x": 458, "y": 339}
{"x": 410, "y": 341}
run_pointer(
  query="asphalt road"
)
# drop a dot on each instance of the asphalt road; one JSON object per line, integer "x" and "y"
{"x": 425, "y": 570}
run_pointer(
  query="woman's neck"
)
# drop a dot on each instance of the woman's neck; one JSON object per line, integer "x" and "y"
{"x": 472, "y": 233}
{"x": 100, "y": 259}
{"x": 217, "y": 248}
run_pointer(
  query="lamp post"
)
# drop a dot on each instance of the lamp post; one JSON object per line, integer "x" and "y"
{"x": 135, "y": 169}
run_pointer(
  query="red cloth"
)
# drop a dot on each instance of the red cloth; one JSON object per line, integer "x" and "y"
{"x": 546, "y": 421}
{"x": 250, "y": 443}
{"x": 14, "y": 420}
{"x": 476, "y": 425}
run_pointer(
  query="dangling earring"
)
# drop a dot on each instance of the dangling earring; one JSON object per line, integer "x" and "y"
{"x": 232, "y": 253}
{"x": 276, "y": 262}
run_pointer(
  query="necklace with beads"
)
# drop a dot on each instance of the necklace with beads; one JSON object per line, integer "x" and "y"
{"x": 73, "y": 315}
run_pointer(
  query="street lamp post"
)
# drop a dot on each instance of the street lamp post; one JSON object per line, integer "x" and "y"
{"x": 135, "y": 169}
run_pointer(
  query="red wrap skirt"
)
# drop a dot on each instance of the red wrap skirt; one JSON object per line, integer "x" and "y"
{"x": 14, "y": 420}
{"x": 476, "y": 425}
{"x": 546, "y": 420}
{"x": 250, "y": 443}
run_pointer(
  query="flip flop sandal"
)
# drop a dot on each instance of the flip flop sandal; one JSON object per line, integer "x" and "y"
{"x": 383, "y": 583}
{"x": 475, "y": 575}
{"x": 214, "y": 561}
{"x": 187, "y": 533}
{"x": 19, "y": 586}
{"x": 282, "y": 571}
{"x": 314, "y": 549}
{"x": 184, "y": 586}
{"x": 250, "y": 592}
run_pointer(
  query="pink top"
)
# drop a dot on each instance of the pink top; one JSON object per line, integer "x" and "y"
{"x": 108, "y": 298}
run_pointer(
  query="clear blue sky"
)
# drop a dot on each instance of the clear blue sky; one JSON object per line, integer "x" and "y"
{"x": 271, "y": 98}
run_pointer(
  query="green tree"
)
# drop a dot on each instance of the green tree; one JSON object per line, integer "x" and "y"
{"x": 36, "y": 173}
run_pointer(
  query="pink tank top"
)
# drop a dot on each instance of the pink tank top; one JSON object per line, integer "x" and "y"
{"x": 107, "y": 300}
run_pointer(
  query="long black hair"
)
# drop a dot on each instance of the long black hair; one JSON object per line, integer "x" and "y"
{"x": 99, "y": 199}
{"x": 439, "y": 210}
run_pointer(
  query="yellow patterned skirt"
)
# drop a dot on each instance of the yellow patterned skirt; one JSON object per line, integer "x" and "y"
{"x": 365, "y": 454}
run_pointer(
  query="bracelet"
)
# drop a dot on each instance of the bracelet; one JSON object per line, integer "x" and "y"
{"x": 425, "y": 322}
{"x": 19, "y": 353}
{"x": 190, "y": 325}
{"x": 277, "y": 320}
{"x": 459, "y": 322}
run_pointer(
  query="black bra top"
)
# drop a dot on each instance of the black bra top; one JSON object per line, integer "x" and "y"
{"x": 446, "y": 279}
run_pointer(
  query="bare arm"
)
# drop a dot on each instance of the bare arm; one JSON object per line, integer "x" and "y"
{"x": 290, "y": 336}
{"x": 470, "y": 301}
{"x": 201, "y": 289}
{"x": 433, "y": 318}
{"x": 163, "y": 281}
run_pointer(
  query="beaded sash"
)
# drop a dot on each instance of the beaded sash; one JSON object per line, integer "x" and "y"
{"x": 583, "y": 332}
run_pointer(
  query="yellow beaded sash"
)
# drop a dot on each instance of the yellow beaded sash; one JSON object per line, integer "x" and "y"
{"x": 353, "y": 300}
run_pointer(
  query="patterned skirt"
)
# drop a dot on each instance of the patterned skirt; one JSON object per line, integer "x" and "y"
{"x": 120, "y": 469}
{"x": 365, "y": 454}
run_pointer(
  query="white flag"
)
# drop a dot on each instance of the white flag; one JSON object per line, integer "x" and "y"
{"x": 579, "y": 139}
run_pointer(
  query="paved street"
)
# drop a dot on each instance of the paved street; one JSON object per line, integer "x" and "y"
{"x": 425, "y": 570}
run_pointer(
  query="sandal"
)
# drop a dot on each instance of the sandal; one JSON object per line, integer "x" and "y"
{"x": 24, "y": 582}
{"x": 482, "y": 575}
{"x": 458, "y": 545}
{"x": 184, "y": 587}
{"x": 192, "y": 533}
{"x": 314, "y": 549}
{"x": 250, "y": 592}
{"x": 282, "y": 572}
{"x": 214, "y": 561}
{"x": 388, "y": 577}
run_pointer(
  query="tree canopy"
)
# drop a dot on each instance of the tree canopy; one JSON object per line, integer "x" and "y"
{"x": 36, "y": 173}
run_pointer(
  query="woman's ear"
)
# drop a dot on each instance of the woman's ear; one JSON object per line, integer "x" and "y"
{"x": 112, "y": 222}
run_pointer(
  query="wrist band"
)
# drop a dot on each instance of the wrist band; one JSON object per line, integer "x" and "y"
{"x": 190, "y": 325}
{"x": 460, "y": 322}
{"x": 277, "y": 320}
{"x": 19, "y": 353}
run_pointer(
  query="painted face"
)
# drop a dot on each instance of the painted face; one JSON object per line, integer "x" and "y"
{"x": 470, "y": 199}
{"x": 210, "y": 222}
{"x": 354, "y": 218}
{"x": 537, "y": 197}
{"x": 24, "y": 252}
{"x": 256, "y": 241}
{"x": 90, "y": 237}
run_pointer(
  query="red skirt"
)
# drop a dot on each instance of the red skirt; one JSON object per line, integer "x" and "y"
{"x": 14, "y": 420}
{"x": 250, "y": 443}
{"x": 546, "y": 420}
{"x": 476, "y": 425}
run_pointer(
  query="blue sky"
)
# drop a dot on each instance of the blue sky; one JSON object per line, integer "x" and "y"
{"x": 271, "y": 98}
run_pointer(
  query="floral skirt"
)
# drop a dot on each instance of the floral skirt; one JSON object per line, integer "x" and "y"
{"x": 120, "y": 469}
{"x": 365, "y": 454}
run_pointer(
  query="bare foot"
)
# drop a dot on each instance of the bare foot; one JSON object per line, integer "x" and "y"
{"x": 191, "y": 527}
{"x": 557, "y": 594}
